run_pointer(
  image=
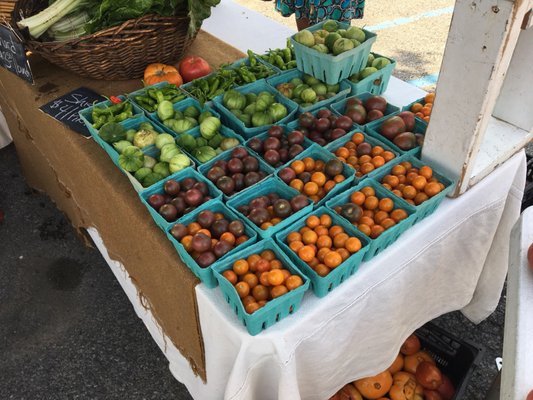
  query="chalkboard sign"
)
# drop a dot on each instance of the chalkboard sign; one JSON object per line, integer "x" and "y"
{"x": 13, "y": 54}
{"x": 66, "y": 108}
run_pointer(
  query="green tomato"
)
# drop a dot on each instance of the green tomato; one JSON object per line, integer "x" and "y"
{"x": 186, "y": 141}
{"x": 305, "y": 37}
{"x": 204, "y": 115}
{"x": 285, "y": 89}
{"x": 356, "y": 33}
{"x": 320, "y": 36}
{"x": 204, "y": 154}
{"x": 370, "y": 59}
{"x": 165, "y": 110}
{"x": 277, "y": 111}
{"x": 321, "y": 48}
{"x": 311, "y": 80}
{"x": 162, "y": 169}
{"x": 342, "y": 45}
{"x": 149, "y": 162}
{"x": 234, "y": 99}
{"x": 142, "y": 173}
{"x": 179, "y": 162}
{"x": 333, "y": 88}
{"x": 249, "y": 110}
{"x": 168, "y": 151}
{"x": 144, "y": 138}
{"x": 308, "y": 95}
{"x": 200, "y": 141}
{"x": 121, "y": 145}
{"x": 178, "y": 115}
{"x": 151, "y": 179}
{"x": 297, "y": 92}
{"x": 246, "y": 119}
{"x": 130, "y": 133}
{"x": 262, "y": 118}
{"x": 380, "y": 62}
{"x": 320, "y": 89}
{"x": 330, "y": 25}
{"x": 131, "y": 159}
{"x": 183, "y": 125}
{"x": 229, "y": 143}
{"x": 162, "y": 139}
{"x": 296, "y": 81}
{"x": 112, "y": 132}
{"x": 250, "y": 98}
{"x": 192, "y": 112}
{"x": 215, "y": 141}
{"x": 146, "y": 126}
{"x": 209, "y": 127}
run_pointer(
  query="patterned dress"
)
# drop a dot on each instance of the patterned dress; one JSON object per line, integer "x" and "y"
{"x": 319, "y": 10}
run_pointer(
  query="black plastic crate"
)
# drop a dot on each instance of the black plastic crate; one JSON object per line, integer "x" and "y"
{"x": 527, "y": 201}
{"x": 456, "y": 358}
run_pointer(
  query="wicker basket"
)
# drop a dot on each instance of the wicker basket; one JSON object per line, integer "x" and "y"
{"x": 117, "y": 53}
{"x": 6, "y": 8}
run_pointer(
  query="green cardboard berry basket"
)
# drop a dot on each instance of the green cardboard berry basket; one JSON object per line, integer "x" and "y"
{"x": 375, "y": 83}
{"x": 262, "y": 136}
{"x": 344, "y": 90}
{"x": 333, "y": 146}
{"x": 263, "y": 166}
{"x": 389, "y": 236}
{"x": 238, "y": 126}
{"x": 340, "y": 106}
{"x": 274, "y": 310}
{"x": 206, "y": 274}
{"x": 141, "y": 92}
{"x": 270, "y": 185}
{"x": 323, "y": 285}
{"x": 429, "y": 206}
{"x": 319, "y": 153}
{"x": 328, "y": 68}
{"x": 178, "y": 176}
{"x": 374, "y": 129}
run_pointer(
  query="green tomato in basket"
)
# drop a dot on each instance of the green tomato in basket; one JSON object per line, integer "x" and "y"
{"x": 151, "y": 179}
{"x": 320, "y": 36}
{"x": 308, "y": 95}
{"x": 321, "y": 48}
{"x": 250, "y": 98}
{"x": 370, "y": 59}
{"x": 262, "y": 118}
{"x": 209, "y": 127}
{"x": 182, "y": 125}
{"x": 121, "y": 145}
{"x": 178, "y": 163}
{"x": 310, "y": 80}
{"x": 178, "y": 115}
{"x": 333, "y": 88}
{"x": 285, "y": 89}
{"x": 186, "y": 141}
{"x": 146, "y": 126}
{"x": 296, "y": 81}
{"x": 380, "y": 62}
{"x": 204, "y": 115}
{"x": 366, "y": 72}
{"x": 233, "y": 99}
{"x": 200, "y": 141}
{"x": 355, "y": 43}
{"x": 215, "y": 141}
{"x": 320, "y": 89}
{"x": 297, "y": 92}
{"x": 204, "y": 154}
{"x": 168, "y": 151}
{"x": 162, "y": 139}
{"x": 165, "y": 110}
{"x": 142, "y": 173}
{"x": 277, "y": 111}
{"x": 354, "y": 78}
{"x": 112, "y": 132}
{"x": 149, "y": 162}
{"x": 353, "y": 32}
{"x": 305, "y": 38}
{"x": 331, "y": 39}
{"x": 249, "y": 109}
{"x": 192, "y": 112}
{"x": 264, "y": 100}
{"x": 228, "y": 143}
{"x": 342, "y": 32}
{"x": 246, "y": 119}
{"x": 342, "y": 45}
{"x": 330, "y": 25}
{"x": 144, "y": 138}
{"x": 131, "y": 159}
{"x": 130, "y": 133}
{"x": 162, "y": 169}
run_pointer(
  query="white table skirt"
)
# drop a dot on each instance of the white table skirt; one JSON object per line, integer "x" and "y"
{"x": 456, "y": 259}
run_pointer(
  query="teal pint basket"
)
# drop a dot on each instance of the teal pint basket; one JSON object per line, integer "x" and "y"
{"x": 344, "y": 90}
{"x": 224, "y": 131}
{"x": 429, "y": 206}
{"x": 323, "y": 285}
{"x": 179, "y": 177}
{"x": 270, "y": 185}
{"x": 263, "y": 166}
{"x": 375, "y": 83}
{"x": 340, "y": 106}
{"x": 374, "y": 129}
{"x": 319, "y": 153}
{"x": 143, "y": 91}
{"x": 328, "y": 68}
{"x": 262, "y": 136}
{"x": 334, "y": 146}
{"x": 275, "y": 309}
{"x": 238, "y": 126}
{"x": 206, "y": 274}
{"x": 389, "y": 236}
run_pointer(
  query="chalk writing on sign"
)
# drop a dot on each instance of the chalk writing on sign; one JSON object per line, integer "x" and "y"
{"x": 66, "y": 108}
{"x": 13, "y": 54}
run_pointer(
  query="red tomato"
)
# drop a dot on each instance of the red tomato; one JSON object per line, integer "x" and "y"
{"x": 192, "y": 67}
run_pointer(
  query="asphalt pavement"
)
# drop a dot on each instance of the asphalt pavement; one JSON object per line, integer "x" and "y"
{"x": 67, "y": 331}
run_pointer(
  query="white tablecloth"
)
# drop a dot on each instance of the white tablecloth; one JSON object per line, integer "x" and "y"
{"x": 456, "y": 259}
